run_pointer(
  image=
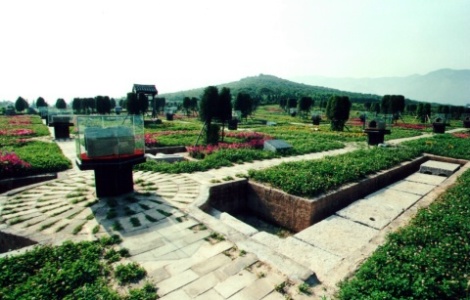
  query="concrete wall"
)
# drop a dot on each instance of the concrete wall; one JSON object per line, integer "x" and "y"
{"x": 229, "y": 197}
{"x": 13, "y": 183}
{"x": 10, "y": 242}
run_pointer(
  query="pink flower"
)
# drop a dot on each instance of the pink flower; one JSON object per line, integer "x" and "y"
{"x": 461, "y": 135}
{"x": 150, "y": 141}
{"x": 11, "y": 164}
{"x": 16, "y": 132}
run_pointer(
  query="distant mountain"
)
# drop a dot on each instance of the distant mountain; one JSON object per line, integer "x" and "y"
{"x": 445, "y": 86}
{"x": 273, "y": 88}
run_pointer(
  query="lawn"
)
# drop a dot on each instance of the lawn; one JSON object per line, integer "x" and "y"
{"x": 21, "y": 151}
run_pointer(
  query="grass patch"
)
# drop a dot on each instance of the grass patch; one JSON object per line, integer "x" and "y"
{"x": 69, "y": 271}
{"x": 311, "y": 178}
{"x": 165, "y": 213}
{"x": 117, "y": 226}
{"x": 150, "y": 218}
{"x": 79, "y": 228}
{"x": 135, "y": 222}
{"x": 129, "y": 273}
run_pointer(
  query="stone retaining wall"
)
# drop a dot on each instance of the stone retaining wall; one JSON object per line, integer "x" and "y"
{"x": 297, "y": 213}
{"x": 10, "y": 242}
{"x": 13, "y": 183}
{"x": 165, "y": 150}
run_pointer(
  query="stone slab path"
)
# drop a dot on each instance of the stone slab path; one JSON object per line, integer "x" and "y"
{"x": 189, "y": 254}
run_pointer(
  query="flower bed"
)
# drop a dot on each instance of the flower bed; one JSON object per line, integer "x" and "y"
{"x": 253, "y": 140}
{"x": 410, "y": 126}
{"x": 11, "y": 165}
{"x": 311, "y": 178}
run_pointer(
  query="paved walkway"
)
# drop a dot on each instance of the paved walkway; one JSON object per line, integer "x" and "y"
{"x": 189, "y": 254}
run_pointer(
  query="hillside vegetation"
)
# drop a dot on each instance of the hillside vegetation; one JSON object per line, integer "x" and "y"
{"x": 270, "y": 89}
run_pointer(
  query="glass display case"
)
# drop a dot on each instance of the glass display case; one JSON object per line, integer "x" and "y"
{"x": 110, "y": 145}
{"x": 109, "y": 137}
{"x": 43, "y": 111}
{"x": 55, "y": 115}
{"x": 61, "y": 120}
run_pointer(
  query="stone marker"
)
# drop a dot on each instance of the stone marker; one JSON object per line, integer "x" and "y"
{"x": 170, "y": 158}
{"x": 277, "y": 145}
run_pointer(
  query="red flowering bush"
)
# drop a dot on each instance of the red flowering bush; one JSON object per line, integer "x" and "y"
{"x": 16, "y": 132}
{"x": 19, "y": 120}
{"x": 410, "y": 126}
{"x": 461, "y": 135}
{"x": 253, "y": 140}
{"x": 11, "y": 165}
{"x": 355, "y": 122}
{"x": 150, "y": 140}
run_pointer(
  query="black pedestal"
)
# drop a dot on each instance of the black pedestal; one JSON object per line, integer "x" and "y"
{"x": 233, "y": 124}
{"x": 61, "y": 130}
{"x": 114, "y": 177}
{"x": 438, "y": 127}
{"x": 466, "y": 124}
{"x": 376, "y": 136}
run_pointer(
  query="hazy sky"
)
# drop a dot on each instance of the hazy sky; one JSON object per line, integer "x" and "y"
{"x": 68, "y": 48}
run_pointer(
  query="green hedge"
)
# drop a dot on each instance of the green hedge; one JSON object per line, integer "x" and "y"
{"x": 429, "y": 259}
{"x": 313, "y": 177}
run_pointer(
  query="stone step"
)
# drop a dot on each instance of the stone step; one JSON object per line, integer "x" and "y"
{"x": 438, "y": 168}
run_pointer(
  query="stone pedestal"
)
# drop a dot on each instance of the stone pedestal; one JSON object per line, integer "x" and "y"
{"x": 438, "y": 127}
{"x": 61, "y": 130}
{"x": 376, "y": 136}
{"x": 233, "y": 124}
{"x": 113, "y": 177}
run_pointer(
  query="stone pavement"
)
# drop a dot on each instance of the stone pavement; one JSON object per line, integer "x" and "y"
{"x": 189, "y": 254}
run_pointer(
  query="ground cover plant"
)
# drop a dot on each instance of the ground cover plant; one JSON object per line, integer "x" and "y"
{"x": 313, "y": 177}
{"x": 22, "y": 154}
{"x": 429, "y": 259}
{"x": 70, "y": 271}
{"x": 455, "y": 145}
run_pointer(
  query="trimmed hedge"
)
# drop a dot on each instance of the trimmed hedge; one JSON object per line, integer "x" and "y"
{"x": 313, "y": 177}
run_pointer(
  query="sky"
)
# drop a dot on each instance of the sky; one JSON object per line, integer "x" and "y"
{"x": 70, "y": 48}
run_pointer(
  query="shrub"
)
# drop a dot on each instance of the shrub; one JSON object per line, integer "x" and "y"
{"x": 131, "y": 272}
{"x": 11, "y": 165}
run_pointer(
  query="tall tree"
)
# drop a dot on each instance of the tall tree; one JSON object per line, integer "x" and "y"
{"x": 132, "y": 104}
{"x": 77, "y": 105}
{"x": 60, "y": 104}
{"x": 337, "y": 110}
{"x": 193, "y": 103}
{"x": 223, "y": 111}
{"x": 207, "y": 108}
{"x": 21, "y": 104}
{"x": 305, "y": 104}
{"x": 187, "y": 105}
{"x": 143, "y": 103}
{"x": 40, "y": 102}
{"x": 103, "y": 104}
{"x": 244, "y": 103}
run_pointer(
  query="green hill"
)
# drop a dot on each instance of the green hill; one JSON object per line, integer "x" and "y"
{"x": 270, "y": 89}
